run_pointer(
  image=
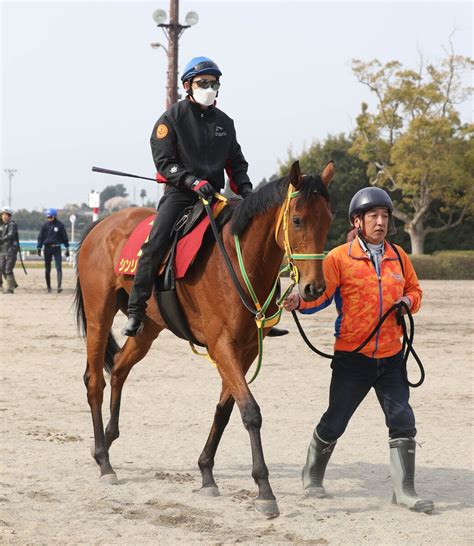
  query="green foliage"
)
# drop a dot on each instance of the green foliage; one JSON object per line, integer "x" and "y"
{"x": 453, "y": 265}
{"x": 350, "y": 176}
{"x": 415, "y": 144}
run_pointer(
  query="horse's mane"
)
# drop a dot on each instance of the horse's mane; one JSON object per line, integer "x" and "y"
{"x": 272, "y": 195}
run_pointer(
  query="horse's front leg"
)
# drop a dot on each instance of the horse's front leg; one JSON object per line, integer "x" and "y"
{"x": 206, "y": 459}
{"x": 232, "y": 365}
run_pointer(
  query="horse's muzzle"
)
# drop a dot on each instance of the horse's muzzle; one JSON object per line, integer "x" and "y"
{"x": 312, "y": 291}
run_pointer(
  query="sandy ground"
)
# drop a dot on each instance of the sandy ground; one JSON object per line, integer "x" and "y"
{"x": 50, "y": 492}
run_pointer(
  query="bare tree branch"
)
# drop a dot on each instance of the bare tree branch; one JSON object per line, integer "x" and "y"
{"x": 448, "y": 225}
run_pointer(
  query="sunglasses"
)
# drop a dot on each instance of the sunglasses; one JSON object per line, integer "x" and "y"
{"x": 49, "y": 217}
{"x": 205, "y": 84}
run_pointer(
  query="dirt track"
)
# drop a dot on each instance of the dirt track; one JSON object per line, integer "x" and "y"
{"x": 50, "y": 492}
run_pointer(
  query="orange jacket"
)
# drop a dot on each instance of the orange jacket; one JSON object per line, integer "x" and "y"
{"x": 362, "y": 297}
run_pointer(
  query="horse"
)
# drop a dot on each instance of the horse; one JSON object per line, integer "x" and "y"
{"x": 206, "y": 294}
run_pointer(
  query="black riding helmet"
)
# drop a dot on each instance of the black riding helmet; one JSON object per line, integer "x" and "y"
{"x": 371, "y": 198}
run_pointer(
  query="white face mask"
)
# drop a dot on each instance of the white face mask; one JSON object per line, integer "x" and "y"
{"x": 206, "y": 97}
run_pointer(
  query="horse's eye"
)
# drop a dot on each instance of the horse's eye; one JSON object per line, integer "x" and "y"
{"x": 296, "y": 221}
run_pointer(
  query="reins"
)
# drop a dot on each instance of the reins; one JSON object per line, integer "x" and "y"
{"x": 407, "y": 347}
{"x": 257, "y": 309}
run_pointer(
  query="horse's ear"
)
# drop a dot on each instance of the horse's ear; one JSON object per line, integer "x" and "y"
{"x": 328, "y": 173}
{"x": 295, "y": 175}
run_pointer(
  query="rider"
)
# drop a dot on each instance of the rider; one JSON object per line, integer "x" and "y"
{"x": 365, "y": 277}
{"x": 8, "y": 250}
{"x": 192, "y": 143}
{"x": 52, "y": 234}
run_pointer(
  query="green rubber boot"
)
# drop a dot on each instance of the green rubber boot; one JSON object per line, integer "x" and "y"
{"x": 402, "y": 469}
{"x": 319, "y": 453}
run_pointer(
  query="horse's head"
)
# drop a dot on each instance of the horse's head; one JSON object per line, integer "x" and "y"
{"x": 308, "y": 217}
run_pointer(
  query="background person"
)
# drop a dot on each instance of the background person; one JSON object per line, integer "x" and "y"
{"x": 52, "y": 235}
{"x": 8, "y": 250}
{"x": 365, "y": 277}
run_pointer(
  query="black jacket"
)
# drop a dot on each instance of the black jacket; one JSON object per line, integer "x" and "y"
{"x": 53, "y": 233}
{"x": 191, "y": 143}
{"x": 9, "y": 237}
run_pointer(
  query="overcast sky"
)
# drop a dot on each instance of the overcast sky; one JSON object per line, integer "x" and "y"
{"x": 81, "y": 85}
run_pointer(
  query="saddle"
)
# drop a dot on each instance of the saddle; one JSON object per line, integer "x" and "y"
{"x": 188, "y": 235}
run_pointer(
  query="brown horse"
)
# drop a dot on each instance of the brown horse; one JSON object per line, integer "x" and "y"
{"x": 207, "y": 294}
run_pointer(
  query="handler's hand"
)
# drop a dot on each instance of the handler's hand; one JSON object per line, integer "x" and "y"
{"x": 67, "y": 253}
{"x": 291, "y": 302}
{"x": 38, "y": 252}
{"x": 404, "y": 299}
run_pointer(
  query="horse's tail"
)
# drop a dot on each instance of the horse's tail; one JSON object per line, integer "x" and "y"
{"x": 81, "y": 320}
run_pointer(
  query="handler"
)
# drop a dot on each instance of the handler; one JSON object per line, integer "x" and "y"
{"x": 192, "y": 143}
{"x": 8, "y": 250}
{"x": 51, "y": 236}
{"x": 365, "y": 277}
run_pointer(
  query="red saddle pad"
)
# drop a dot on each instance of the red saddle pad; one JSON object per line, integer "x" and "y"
{"x": 186, "y": 250}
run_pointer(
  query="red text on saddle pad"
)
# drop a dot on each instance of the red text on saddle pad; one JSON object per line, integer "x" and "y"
{"x": 186, "y": 250}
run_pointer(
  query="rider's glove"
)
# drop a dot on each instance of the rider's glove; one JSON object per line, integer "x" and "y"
{"x": 245, "y": 190}
{"x": 38, "y": 252}
{"x": 203, "y": 188}
{"x": 67, "y": 253}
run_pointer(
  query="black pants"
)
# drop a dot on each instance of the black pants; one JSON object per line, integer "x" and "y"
{"x": 153, "y": 251}
{"x": 352, "y": 378}
{"x": 51, "y": 252}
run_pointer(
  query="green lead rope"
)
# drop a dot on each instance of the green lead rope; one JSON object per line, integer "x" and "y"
{"x": 260, "y": 318}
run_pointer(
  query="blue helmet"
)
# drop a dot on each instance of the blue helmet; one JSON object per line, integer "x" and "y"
{"x": 51, "y": 212}
{"x": 200, "y": 65}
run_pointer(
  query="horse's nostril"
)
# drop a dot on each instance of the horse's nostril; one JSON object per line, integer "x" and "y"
{"x": 310, "y": 291}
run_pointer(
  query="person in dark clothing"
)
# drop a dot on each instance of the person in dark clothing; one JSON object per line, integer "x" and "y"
{"x": 8, "y": 250}
{"x": 52, "y": 235}
{"x": 192, "y": 144}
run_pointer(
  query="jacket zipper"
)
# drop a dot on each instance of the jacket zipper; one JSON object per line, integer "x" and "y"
{"x": 205, "y": 139}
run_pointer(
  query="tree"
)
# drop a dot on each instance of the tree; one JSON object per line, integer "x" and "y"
{"x": 416, "y": 145}
{"x": 350, "y": 176}
{"x": 118, "y": 190}
{"x": 142, "y": 196}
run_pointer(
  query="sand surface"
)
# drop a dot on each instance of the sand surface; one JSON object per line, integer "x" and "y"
{"x": 50, "y": 492}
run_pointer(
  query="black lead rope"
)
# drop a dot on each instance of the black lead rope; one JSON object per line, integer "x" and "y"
{"x": 407, "y": 338}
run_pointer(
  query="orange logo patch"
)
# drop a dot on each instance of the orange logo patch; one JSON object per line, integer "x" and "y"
{"x": 161, "y": 130}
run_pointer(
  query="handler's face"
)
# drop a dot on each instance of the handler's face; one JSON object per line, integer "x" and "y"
{"x": 5, "y": 217}
{"x": 374, "y": 225}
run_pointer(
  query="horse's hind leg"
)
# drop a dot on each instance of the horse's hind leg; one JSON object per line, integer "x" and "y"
{"x": 206, "y": 459}
{"x": 132, "y": 352}
{"x": 97, "y": 338}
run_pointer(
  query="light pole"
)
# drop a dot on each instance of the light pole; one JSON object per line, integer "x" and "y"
{"x": 173, "y": 30}
{"x": 11, "y": 174}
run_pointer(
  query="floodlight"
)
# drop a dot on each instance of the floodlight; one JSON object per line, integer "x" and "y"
{"x": 192, "y": 18}
{"x": 159, "y": 16}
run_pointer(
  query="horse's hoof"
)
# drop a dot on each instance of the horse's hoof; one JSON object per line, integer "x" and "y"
{"x": 315, "y": 492}
{"x": 110, "y": 479}
{"x": 269, "y": 508}
{"x": 212, "y": 491}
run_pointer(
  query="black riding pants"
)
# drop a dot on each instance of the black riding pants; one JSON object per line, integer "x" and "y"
{"x": 352, "y": 378}
{"x": 171, "y": 205}
{"x": 51, "y": 252}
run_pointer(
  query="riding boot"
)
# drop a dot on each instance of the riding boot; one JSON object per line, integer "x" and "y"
{"x": 10, "y": 282}
{"x": 277, "y": 332}
{"x": 402, "y": 469}
{"x": 133, "y": 327}
{"x": 60, "y": 281}
{"x": 319, "y": 453}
